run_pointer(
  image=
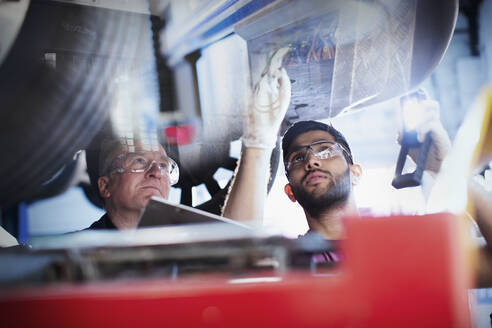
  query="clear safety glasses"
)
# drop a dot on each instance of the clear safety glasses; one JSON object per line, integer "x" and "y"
{"x": 140, "y": 163}
{"x": 322, "y": 149}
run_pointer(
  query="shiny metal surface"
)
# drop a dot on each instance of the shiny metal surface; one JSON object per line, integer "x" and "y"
{"x": 165, "y": 235}
{"x": 165, "y": 252}
{"x": 350, "y": 54}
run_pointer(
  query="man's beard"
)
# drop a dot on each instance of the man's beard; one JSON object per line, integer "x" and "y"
{"x": 335, "y": 196}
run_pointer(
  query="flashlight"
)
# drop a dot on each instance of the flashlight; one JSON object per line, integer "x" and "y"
{"x": 412, "y": 111}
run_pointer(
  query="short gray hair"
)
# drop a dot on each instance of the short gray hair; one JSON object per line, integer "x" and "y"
{"x": 109, "y": 148}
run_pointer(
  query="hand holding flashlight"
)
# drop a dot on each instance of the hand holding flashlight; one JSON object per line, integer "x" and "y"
{"x": 421, "y": 117}
{"x": 423, "y": 138}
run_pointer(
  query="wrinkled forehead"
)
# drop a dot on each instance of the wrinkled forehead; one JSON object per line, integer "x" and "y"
{"x": 116, "y": 148}
{"x": 149, "y": 155}
{"x": 141, "y": 149}
{"x": 307, "y": 138}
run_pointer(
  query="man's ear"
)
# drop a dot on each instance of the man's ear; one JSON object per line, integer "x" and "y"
{"x": 355, "y": 174}
{"x": 103, "y": 186}
{"x": 289, "y": 193}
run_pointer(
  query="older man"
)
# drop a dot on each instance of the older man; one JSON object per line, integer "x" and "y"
{"x": 131, "y": 172}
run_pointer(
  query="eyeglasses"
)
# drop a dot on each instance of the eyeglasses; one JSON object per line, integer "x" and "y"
{"x": 322, "y": 149}
{"x": 139, "y": 163}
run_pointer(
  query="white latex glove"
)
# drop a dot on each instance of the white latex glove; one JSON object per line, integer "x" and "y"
{"x": 441, "y": 144}
{"x": 271, "y": 98}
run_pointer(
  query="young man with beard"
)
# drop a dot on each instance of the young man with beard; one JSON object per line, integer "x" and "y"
{"x": 322, "y": 185}
{"x": 317, "y": 159}
{"x": 320, "y": 167}
{"x": 321, "y": 172}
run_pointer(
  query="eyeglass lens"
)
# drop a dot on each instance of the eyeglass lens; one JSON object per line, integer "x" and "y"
{"x": 139, "y": 162}
{"x": 321, "y": 150}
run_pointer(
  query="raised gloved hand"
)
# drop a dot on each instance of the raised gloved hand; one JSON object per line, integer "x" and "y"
{"x": 430, "y": 123}
{"x": 269, "y": 103}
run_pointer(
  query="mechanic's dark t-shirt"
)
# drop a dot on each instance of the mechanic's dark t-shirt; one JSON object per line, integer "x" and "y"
{"x": 103, "y": 223}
